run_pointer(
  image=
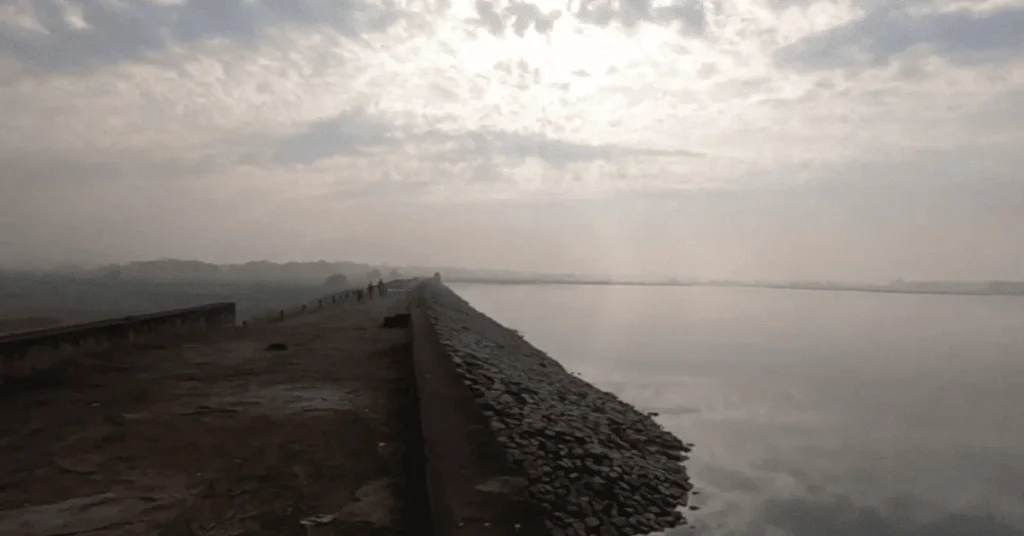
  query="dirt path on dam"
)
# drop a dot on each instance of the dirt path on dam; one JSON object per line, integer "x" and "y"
{"x": 244, "y": 431}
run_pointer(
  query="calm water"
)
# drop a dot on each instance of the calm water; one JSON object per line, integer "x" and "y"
{"x": 814, "y": 413}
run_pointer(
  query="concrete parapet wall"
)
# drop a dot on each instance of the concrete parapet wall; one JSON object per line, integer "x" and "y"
{"x": 590, "y": 464}
{"x": 22, "y": 354}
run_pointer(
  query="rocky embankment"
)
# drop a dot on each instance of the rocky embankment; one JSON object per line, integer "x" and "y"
{"x": 595, "y": 464}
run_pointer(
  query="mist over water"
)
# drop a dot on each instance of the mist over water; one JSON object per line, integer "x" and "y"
{"x": 814, "y": 413}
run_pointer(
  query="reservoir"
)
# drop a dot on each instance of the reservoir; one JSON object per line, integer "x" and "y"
{"x": 814, "y": 412}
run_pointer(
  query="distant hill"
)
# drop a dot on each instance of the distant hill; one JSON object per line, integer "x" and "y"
{"x": 37, "y": 300}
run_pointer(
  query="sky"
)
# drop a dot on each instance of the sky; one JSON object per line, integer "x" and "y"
{"x": 779, "y": 139}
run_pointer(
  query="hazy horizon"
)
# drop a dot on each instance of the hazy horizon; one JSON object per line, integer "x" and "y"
{"x": 463, "y": 273}
{"x": 754, "y": 139}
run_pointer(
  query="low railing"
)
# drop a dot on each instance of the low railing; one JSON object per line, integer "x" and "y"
{"x": 351, "y": 295}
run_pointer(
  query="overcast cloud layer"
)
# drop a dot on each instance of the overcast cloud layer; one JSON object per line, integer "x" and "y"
{"x": 748, "y": 138}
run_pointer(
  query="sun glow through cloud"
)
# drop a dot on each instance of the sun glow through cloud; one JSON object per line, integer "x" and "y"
{"x": 299, "y": 107}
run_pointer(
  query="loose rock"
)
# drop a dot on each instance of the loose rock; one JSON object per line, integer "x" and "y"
{"x": 595, "y": 464}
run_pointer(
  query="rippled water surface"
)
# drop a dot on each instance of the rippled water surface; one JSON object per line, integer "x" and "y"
{"x": 814, "y": 413}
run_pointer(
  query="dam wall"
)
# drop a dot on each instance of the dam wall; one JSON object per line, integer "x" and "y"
{"x": 515, "y": 441}
{"x": 22, "y": 354}
{"x": 512, "y": 443}
{"x": 471, "y": 486}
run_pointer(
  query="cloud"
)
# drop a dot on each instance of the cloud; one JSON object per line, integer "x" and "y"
{"x": 963, "y": 35}
{"x": 688, "y": 15}
{"x": 498, "y": 15}
{"x": 351, "y": 133}
{"x": 526, "y": 15}
{"x": 76, "y": 34}
{"x": 359, "y": 132}
{"x": 296, "y": 107}
{"x": 552, "y": 151}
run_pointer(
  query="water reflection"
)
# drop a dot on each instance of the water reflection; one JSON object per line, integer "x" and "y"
{"x": 814, "y": 413}
{"x": 841, "y": 516}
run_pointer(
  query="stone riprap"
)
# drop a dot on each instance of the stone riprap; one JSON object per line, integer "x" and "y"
{"x": 595, "y": 465}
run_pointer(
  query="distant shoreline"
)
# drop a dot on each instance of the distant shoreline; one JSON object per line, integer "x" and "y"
{"x": 229, "y": 285}
{"x": 779, "y": 286}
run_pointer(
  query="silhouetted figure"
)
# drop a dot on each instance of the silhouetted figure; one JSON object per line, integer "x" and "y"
{"x": 381, "y": 291}
{"x": 369, "y": 290}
